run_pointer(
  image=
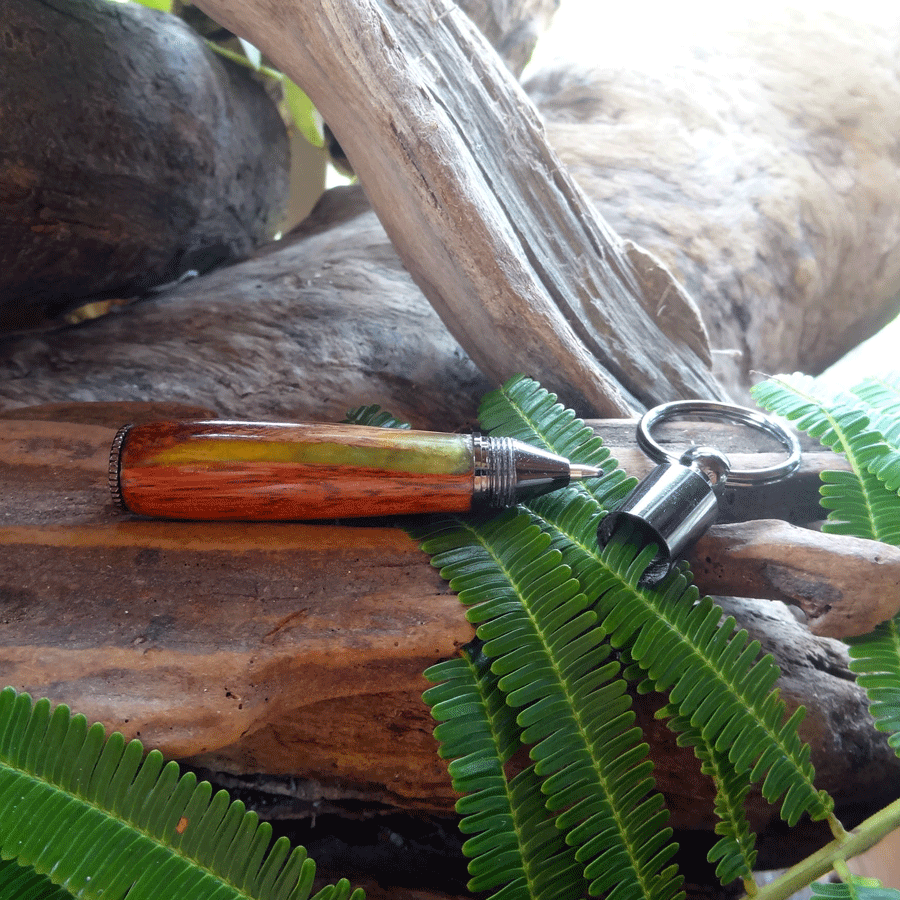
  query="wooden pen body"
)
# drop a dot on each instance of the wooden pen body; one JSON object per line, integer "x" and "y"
{"x": 267, "y": 471}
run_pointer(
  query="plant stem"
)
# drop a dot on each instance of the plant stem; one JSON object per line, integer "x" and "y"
{"x": 242, "y": 60}
{"x": 822, "y": 861}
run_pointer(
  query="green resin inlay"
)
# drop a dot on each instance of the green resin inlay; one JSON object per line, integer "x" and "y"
{"x": 395, "y": 452}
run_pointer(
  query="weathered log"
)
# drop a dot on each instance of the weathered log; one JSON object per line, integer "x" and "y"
{"x": 130, "y": 154}
{"x": 453, "y": 157}
{"x": 309, "y": 328}
{"x": 297, "y": 650}
{"x": 845, "y": 585}
{"x": 754, "y": 169}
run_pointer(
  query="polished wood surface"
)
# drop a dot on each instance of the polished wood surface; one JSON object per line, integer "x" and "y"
{"x": 217, "y": 470}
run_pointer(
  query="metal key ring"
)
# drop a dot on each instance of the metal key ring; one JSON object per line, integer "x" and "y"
{"x": 714, "y": 411}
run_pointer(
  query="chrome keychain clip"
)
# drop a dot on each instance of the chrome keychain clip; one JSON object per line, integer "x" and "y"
{"x": 678, "y": 501}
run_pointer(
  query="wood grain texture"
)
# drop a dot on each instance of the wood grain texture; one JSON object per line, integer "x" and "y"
{"x": 322, "y": 322}
{"x": 297, "y": 650}
{"x": 269, "y": 471}
{"x": 487, "y": 221}
{"x": 844, "y": 585}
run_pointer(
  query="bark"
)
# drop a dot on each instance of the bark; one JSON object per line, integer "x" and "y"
{"x": 760, "y": 173}
{"x": 130, "y": 154}
{"x": 296, "y": 651}
{"x": 454, "y": 159}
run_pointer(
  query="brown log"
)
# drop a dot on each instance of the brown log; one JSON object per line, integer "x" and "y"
{"x": 845, "y": 585}
{"x": 297, "y": 650}
{"x": 131, "y": 153}
{"x": 455, "y": 162}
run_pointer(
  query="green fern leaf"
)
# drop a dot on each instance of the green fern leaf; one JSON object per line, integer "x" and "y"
{"x": 515, "y": 842}
{"x": 862, "y": 502}
{"x": 547, "y": 654}
{"x": 99, "y": 819}
{"x": 712, "y": 672}
{"x": 23, "y": 883}
{"x": 735, "y": 853}
{"x": 373, "y": 416}
{"x": 875, "y": 658}
{"x": 881, "y": 397}
{"x": 522, "y": 409}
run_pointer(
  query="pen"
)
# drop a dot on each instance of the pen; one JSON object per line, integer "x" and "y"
{"x": 225, "y": 470}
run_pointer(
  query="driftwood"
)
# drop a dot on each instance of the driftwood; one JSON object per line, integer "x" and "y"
{"x": 130, "y": 154}
{"x": 295, "y": 650}
{"x": 760, "y": 173}
{"x": 322, "y": 322}
{"x": 845, "y": 585}
{"x": 453, "y": 157}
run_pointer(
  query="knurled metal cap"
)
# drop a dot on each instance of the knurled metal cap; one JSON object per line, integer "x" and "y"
{"x": 115, "y": 466}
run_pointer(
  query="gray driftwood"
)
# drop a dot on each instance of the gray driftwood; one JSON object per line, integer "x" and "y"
{"x": 760, "y": 171}
{"x": 490, "y": 225}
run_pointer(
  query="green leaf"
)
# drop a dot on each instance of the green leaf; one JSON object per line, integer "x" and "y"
{"x": 515, "y": 844}
{"x": 875, "y": 658}
{"x": 548, "y": 657}
{"x": 101, "y": 820}
{"x": 712, "y": 672}
{"x": 864, "y": 501}
{"x": 23, "y": 883}
{"x": 735, "y": 853}
{"x": 857, "y": 888}
{"x": 303, "y": 114}
{"x": 373, "y": 416}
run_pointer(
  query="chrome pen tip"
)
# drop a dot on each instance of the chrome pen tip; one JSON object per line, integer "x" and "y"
{"x": 580, "y": 471}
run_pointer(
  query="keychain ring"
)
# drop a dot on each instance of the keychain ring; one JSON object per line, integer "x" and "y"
{"x": 714, "y": 411}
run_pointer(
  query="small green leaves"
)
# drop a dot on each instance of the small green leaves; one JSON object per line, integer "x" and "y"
{"x": 864, "y": 501}
{"x": 99, "y": 819}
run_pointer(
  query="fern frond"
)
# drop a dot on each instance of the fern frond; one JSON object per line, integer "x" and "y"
{"x": 711, "y": 670}
{"x": 856, "y": 888}
{"x": 548, "y": 655}
{"x": 881, "y": 395}
{"x": 875, "y": 658}
{"x": 100, "y": 819}
{"x": 23, "y": 883}
{"x": 861, "y": 503}
{"x": 735, "y": 853}
{"x": 515, "y": 841}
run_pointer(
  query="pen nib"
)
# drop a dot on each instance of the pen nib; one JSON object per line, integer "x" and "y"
{"x": 579, "y": 471}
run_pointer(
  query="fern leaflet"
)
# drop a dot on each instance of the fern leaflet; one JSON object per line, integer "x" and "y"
{"x": 132, "y": 825}
{"x": 855, "y": 888}
{"x": 858, "y": 500}
{"x": 875, "y": 658}
{"x": 735, "y": 852}
{"x": 547, "y": 653}
{"x": 516, "y": 843}
{"x": 882, "y": 399}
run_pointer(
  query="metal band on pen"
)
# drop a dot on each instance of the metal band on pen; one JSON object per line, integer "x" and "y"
{"x": 494, "y": 477}
{"x": 115, "y": 466}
